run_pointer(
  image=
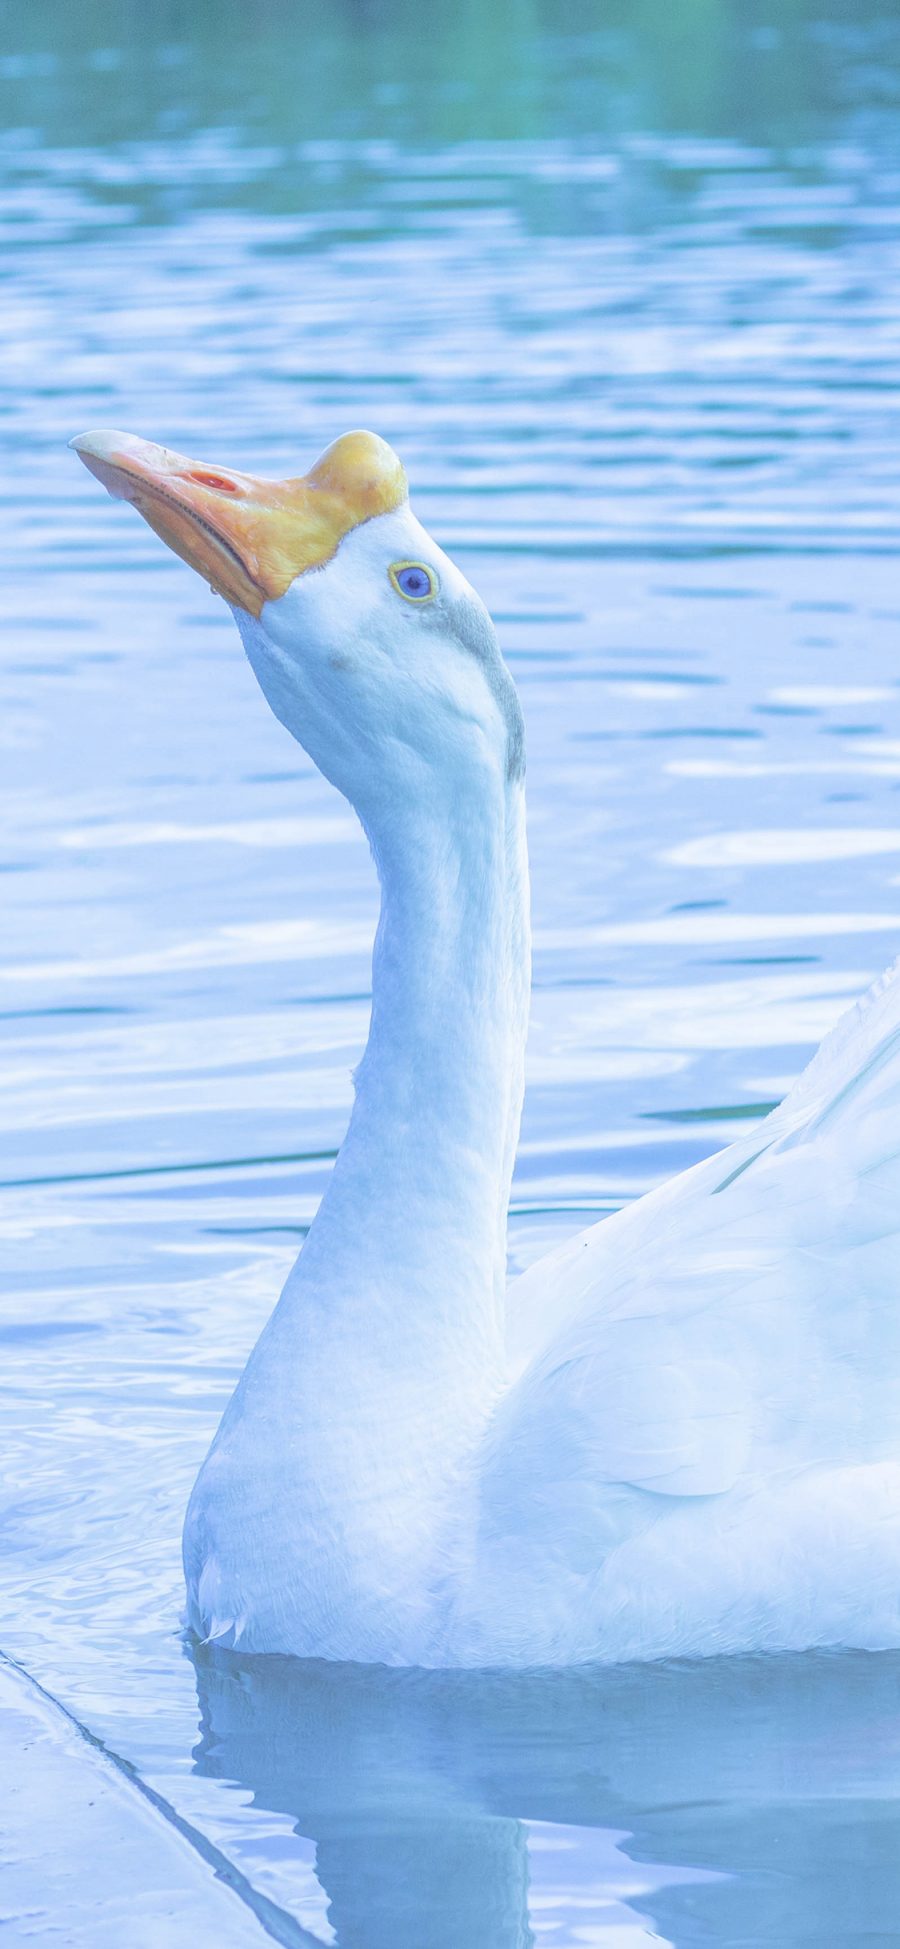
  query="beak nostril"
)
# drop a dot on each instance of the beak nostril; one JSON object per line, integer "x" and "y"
{"x": 218, "y": 481}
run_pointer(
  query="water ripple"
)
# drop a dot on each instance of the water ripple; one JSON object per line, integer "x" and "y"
{"x": 625, "y": 292}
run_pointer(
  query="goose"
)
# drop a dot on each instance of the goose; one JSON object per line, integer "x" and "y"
{"x": 676, "y": 1435}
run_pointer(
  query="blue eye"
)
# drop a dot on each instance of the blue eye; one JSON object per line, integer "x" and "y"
{"x": 414, "y": 581}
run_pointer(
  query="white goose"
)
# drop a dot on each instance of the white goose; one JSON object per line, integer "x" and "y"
{"x": 677, "y": 1435}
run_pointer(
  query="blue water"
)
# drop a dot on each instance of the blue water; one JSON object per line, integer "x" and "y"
{"x": 623, "y": 286}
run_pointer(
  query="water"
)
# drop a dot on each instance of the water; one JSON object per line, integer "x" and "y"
{"x": 623, "y": 286}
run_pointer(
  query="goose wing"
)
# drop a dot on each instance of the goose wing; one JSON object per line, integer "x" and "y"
{"x": 741, "y": 1320}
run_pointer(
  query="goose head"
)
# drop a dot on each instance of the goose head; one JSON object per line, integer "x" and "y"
{"x": 368, "y": 642}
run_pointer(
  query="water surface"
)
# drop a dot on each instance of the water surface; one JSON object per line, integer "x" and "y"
{"x": 623, "y": 286}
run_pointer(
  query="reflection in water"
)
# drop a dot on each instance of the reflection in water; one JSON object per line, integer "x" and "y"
{"x": 766, "y": 1792}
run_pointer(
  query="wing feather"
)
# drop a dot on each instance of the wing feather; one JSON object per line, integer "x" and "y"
{"x": 743, "y": 1319}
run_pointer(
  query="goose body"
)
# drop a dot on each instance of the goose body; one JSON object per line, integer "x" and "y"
{"x": 677, "y": 1435}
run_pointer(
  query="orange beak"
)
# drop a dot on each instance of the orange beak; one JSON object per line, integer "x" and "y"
{"x": 250, "y": 538}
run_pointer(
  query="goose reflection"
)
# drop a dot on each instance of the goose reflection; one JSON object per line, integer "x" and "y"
{"x": 766, "y": 1792}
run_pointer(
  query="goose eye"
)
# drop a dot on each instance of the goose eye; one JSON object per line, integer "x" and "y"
{"x": 414, "y": 581}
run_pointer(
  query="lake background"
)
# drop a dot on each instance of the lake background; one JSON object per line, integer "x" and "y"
{"x": 622, "y": 284}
